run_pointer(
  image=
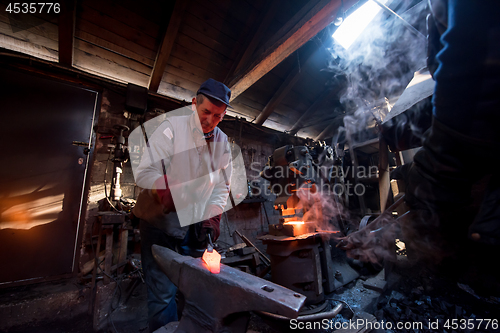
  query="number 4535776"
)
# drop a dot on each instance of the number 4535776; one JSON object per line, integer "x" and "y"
{"x": 32, "y": 8}
{"x": 471, "y": 324}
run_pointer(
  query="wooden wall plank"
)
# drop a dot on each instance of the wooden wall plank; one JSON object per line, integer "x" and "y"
{"x": 214, "y": 45}
{"x": 34, "y": 36}
{"x": 181, "y": 82}
{"x": 110, "y": 37}
{"x": 113, "y": 25}
{"x": 252, "y": 103}
{"x": 36, "y": 25}
{"x": 263, "y": 90}
{"x": 204, "y": 51}
{"x": 190, "y": 69}
{"x": 30, "y": 36}
{"x": 225, "y": 16}
{"x": 14, "y": 44}
{"x": 284, "y": 121}
{"x": 196, "y": 59}
{"x": 259, "y": 4}
{"x": 234, "y": 11}
{"x": 271, "y": 123}
{"x": 176, "y": 92}
{"x": 245, "y": 109}
{"x": 207, "y": 15}
{"x": 111, "y": 56}
{"x": 288, "y": 112}
{"x": 151, "y": 10}
{"x": 108, "y": 69}
{"x": 183, "y": 74}
{"x": 210, "y": 32}
{"x": 86, "y": 37}
{"x": 126, "y": 16}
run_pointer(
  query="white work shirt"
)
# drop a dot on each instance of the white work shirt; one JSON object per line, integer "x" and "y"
{"x": 198, "y": 174}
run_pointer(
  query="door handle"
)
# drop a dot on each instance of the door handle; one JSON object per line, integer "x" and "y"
{"x": 86, "y": 150}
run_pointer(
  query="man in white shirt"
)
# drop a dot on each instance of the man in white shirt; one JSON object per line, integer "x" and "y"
{"x": 185, "y": 172}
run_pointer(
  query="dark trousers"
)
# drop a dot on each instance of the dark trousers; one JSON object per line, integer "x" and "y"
{"x": 162, "y": 308}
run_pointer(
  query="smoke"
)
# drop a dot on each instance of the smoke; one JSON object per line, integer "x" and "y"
{"x": 377, "y": 66}
{"x": 323, "y": 209}
{"x": 376, "y": 69}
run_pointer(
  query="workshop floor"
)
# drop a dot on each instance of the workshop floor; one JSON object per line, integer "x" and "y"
{"x": 407, "y": 295}
{"x": 53, "y": 307}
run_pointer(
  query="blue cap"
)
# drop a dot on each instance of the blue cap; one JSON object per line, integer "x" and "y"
{"x": 216, "y": 90}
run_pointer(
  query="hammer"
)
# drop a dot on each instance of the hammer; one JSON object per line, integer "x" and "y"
{"x": 221, "y": 302}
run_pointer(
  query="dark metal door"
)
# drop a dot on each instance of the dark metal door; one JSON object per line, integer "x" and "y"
{"x": 42, "y": 174}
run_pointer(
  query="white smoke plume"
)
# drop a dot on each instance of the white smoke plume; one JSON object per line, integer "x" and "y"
{"x": 377, "y": 66}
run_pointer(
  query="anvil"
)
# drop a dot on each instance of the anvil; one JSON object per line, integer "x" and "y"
{"x": 221, "y": 302}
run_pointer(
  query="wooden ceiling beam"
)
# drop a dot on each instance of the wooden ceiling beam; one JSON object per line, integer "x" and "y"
{"x": 315, "y": 20}
{"x": 67, "y": 18}
{"x": 318, "y": 103}
{"x": 166, "y": 45}
{"x": 330, "y": 128}
{"x": 265, "y": 20}
{"x": 283, "y": 90}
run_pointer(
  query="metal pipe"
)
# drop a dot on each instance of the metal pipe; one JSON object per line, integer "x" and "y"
{"x": 406, "y": 24}
{"x": 317, "y": 316}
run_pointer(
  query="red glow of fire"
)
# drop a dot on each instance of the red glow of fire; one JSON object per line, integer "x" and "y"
{"x": 212, "y": 259}
{"x": 294, "y": 222}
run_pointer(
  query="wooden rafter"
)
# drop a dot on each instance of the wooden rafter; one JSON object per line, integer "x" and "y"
{"x": 326, "y": 95}
{"x": 67, "y": 18}
{"x": 166, "y": 45}
{"x": 265, "y": 20}
{"x": 283, "y": 90}
{"x": 330, "y": 128}
{"x": 315, "y": 20}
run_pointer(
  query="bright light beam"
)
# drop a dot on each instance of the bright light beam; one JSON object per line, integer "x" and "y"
{"x": 356, "y": 23}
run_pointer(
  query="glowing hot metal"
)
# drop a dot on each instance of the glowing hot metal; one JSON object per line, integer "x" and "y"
{"x": 294, "y": 222}
{"x": 212, "y": 259}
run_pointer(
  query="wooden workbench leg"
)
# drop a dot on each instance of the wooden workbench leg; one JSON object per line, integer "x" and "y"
{"x": 108, "y": 256}
{"x": 96, "y": 265}
{"x": 122, "y": 254}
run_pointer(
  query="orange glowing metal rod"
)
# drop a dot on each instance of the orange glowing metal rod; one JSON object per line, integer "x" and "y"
{"x": 212, "y": 259}
{"x": 294, "y": 222}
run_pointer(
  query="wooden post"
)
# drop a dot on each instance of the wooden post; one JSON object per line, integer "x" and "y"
{"x": 96, "y": 265}
{"x": 122, "y": 254}
{"x": 384, "y": 179}
{"x": 108, "y": 256}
